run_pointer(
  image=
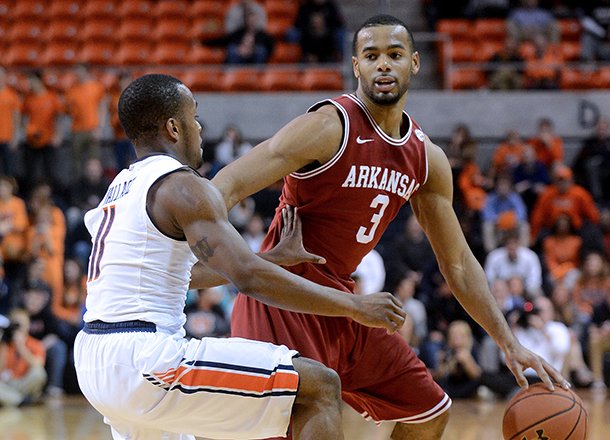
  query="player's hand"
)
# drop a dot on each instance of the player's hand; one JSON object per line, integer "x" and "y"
{"x": 379, "y": 310}
{"x": 289, "y": 250}
{"x": 518, "y": 359}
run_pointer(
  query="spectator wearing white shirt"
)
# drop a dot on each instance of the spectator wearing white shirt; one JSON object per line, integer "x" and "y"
{"x": 371, "y": 272}
{"x": 513, "y": 260}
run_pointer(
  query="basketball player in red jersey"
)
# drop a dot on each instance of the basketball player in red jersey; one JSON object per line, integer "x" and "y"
{"x": 350, "y": 164}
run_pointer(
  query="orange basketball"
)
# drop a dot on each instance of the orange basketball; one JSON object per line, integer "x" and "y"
{"x": 539, "y": 414}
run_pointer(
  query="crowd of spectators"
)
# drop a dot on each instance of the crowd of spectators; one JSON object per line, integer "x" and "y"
{"x": 533, "y": 53}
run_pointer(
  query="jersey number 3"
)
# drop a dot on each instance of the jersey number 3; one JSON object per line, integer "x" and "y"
{"x": 380, "y": 202}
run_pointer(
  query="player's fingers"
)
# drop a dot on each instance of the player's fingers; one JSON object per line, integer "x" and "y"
{"x": 517, "y": 371}
{"x": 556, "y": 376}
{"x": 542, "y": 374}
{"x": 313, "y": 258}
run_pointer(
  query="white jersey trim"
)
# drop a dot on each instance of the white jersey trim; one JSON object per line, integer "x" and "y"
{"x": 426, "y": 416}
{"x": 380, "y": 132}
{"x": 339, "y": 153}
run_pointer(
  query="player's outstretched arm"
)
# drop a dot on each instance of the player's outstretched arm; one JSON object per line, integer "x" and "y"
{"x": 310, "y": 138}
{"x": 192, "y": 205}
{"x": 433, "y": 207}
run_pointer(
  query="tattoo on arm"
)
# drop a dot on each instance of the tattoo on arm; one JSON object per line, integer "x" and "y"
{"x": 203, "y": 250}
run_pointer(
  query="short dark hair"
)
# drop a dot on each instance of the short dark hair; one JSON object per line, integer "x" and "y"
{"x": 147, "y": 103}
{"x": 381, "y": 20}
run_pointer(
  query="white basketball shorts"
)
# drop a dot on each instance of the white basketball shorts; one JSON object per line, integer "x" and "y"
{"x": 159, "y": 386}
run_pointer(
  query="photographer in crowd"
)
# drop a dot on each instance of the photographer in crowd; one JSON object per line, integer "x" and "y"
{"x": 22, "y": 374}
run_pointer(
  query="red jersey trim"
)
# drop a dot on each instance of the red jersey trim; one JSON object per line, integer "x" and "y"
{"x": 380, "y": 132}
{"x": 339, "y": 153}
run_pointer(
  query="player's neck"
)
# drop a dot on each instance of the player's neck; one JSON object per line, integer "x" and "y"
{"x": 388, "y": 117}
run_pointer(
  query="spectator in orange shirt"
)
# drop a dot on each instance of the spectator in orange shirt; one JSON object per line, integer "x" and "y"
{"x": 543, "y": 68}
{"x": 548, "y": 146}
{"x": 124, "y": 152}
{"x": 22, "y": 357}
{"x": 508, "y": 155}
{"x": 563, "y": 197}
{"x": 471, "y": 181}
{"x": 86, "y": 106}
{"x": 10, "y": 120}
{"x": 561, "y": 252}
{"x": 69, "y": 306}
{"x": 46, "y": 235}
{"x": 42, "y": 109}
{"x": 593, "y": 284}
{"x": 13, "y": 224}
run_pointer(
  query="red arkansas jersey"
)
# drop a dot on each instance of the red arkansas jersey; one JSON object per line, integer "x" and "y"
{"x": 346, "y": 204}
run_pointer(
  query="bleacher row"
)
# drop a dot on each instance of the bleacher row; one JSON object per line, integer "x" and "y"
{"x": 474, "y": 42}
{"x": 130, "y": 34}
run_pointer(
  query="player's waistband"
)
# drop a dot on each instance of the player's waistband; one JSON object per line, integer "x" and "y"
{"x": 104, "y": 328}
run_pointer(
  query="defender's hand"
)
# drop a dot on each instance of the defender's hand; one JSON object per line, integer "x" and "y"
{"x": 518, "y": 359}
{"x": 289, "y": 250}
{"x": 379, "y": 310}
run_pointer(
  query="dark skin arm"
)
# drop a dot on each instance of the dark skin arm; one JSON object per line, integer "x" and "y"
{"x": 184, "y": 204}
{"x": 433, "y": 207}
{"x": 288, "y": 252}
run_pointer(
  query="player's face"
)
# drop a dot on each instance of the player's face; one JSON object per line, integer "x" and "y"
{"x": 191, "y": 131}
{"x": 384, "y": 63}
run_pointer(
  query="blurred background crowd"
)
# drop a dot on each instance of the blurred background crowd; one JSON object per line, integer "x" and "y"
{"x": 537, "y": 222}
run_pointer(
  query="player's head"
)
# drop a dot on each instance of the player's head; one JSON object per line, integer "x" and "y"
{"x": 159, "y": 112}
{"x": 384, "y": 59}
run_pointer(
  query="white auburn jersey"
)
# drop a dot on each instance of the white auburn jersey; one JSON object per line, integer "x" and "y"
{"x": 135, "y": 271}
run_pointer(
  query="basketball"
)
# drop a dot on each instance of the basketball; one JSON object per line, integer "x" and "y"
{"x": 539, "y": 414}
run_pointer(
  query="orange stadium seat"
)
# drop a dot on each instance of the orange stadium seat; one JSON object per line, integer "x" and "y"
{"x": 205, "y": 8}
{"x": 103, "y": 29}
{"x": 281, "y": 80}
{"x": 570, "y": 50}
{"x": 466, "y": 79}
{"x": 172, "y": 28}
{"x": 463, "y": 50}
{"x": 24, "y": 31}
{"x": 285, "y": 53}
{"x": 487, "y": 49}
{"x": 569, "y": 29}
{"x": 5, "y": 30}
{"x": 603, "y": 78}
{"x": 28, "y": 10}
{"x": 322, "y": 79}
{"x": 60, "y": 53}
{"x": 23, "y": 54}
{"x": 282, "y": 8}
{"x": 455, "y": 28}
{"x": 486, "y": 29}
{"x": 99, "y": 9}
{"x": 139, "y": 28}
{"x": 171, "y": 9}
{"x": 61, "y": 9}
{"x": 58, "y": 80}
{"x": 241, "y": 80}
{"x": 206, "y": 27}
{"x": 98, "y": 52}
{"x": 277, "y": 26}
{"x": 577, "y": 79}
{"x": 171, "y": 52}
{"x": 207, "y": 80}
{"x": 134, "y": 53}
{"x": 6, "y": 7}
{"x": 135, "y": 8}
{"x": 201, "y": 54}
{"x": 62, "y": 30}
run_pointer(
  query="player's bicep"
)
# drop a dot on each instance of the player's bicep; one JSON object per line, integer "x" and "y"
{"x": 312, "y": 137}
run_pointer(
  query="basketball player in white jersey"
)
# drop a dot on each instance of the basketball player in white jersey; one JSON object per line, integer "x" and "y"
{"x": 160, "y": 227}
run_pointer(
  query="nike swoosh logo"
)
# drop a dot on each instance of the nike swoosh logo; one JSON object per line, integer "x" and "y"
{"x": 359, "y": 140}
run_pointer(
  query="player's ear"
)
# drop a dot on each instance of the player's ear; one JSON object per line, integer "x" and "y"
{"x": 415, "y": 63}
{"x": 172, "y": 129}
{"x": 355, "y": 67}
